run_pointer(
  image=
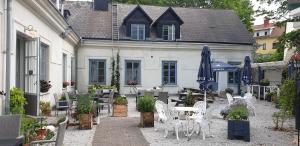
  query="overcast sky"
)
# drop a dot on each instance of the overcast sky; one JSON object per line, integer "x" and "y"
{"x": 258, "y": 20}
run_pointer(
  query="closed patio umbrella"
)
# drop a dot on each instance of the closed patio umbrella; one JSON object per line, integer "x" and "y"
{"x": 247, "y": 74}
{"x": 205, "y": 74}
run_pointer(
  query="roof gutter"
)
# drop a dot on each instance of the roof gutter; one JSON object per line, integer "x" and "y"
{"x": 8, "y": 52}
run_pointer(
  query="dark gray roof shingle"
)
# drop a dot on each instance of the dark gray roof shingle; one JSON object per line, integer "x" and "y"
{"x": 200, "y": 25}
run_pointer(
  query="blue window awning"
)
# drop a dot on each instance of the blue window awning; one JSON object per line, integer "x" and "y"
{"x": 218, "y": 66}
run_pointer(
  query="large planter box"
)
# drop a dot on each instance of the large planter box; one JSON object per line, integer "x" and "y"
{"x": 85, "y": 121}
{"x": 239, "y": 130}
{"x": 147, "y": 119}
{"x": 120, "y": 110}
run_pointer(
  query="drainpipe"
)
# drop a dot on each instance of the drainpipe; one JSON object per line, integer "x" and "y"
{"x": 8, "y": 52}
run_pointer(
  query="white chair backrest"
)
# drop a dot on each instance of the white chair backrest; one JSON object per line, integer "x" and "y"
{"x": 201, "y": 106}
{"x": 161, "y": 110}
{"x": 229, "y": 98}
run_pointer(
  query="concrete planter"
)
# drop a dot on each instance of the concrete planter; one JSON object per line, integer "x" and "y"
{"x": 147, "y": 119}
{"x": 120, "y": 110}
{"x": 239, "y": 129}
{"x": 85, "y": 121}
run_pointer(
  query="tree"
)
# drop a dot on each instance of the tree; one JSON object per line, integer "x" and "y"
{"x": 117, "y": 74}
{"x": 278, "y": 13}
{"x": 243, "y": 8}
{"x": 113, "y": 80}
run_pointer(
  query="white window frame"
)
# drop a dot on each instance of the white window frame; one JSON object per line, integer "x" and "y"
{"x": 171, "y": 32}
{"x": 136, "y": 31}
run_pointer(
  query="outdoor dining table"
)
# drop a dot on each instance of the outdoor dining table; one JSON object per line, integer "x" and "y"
{"x": 186, "y": 93}
{"x": 188, "y": 112}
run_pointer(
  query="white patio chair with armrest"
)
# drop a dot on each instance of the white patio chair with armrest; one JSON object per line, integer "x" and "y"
{"x": 198, "y": 117}
{"x": 171, "y": 123}
{"x": 229, "y": 98}
{"x": 10, "y": 126}
{"x": 160, "y": 106}
{"x": 60, "y": 105}
{"x": 249, "y": 100}
{"x": 59, "y": 139}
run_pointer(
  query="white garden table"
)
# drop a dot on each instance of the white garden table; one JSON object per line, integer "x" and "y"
{"x": 188, "y": 111}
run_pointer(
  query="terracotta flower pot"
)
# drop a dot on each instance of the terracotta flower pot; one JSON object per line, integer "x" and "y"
{"x": 147, "y": 119}
{"x": 85, "y": 121}
{"x": 42, "y": 133}
{"x": 120, "y": 110}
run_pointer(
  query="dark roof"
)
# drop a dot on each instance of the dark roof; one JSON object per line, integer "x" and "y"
{"x": 200, "y": 25}
{"x": 169, "y": 10}
{"x": 138, "y": 8}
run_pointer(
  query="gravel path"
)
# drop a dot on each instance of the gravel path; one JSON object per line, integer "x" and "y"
{"x": 260, "y": 130}
{"x": 76, "y": 137}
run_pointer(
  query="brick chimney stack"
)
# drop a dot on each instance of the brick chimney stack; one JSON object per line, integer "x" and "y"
{"x": 266, "y": 22}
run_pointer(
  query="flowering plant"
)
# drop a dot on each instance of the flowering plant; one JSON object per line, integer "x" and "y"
{"x": 132, "y": 82}
{"x": 65, "y": 84}
{"x": 45, "y": 86}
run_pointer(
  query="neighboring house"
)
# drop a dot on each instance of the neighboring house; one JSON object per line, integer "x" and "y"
{"x": 157, "y": 45}
{"x": 266, "y": 36}
{"x": 43, "y": 48}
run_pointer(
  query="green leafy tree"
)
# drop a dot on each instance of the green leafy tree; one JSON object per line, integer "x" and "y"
{"x": 288, "y": 95}
{"x": 278, "y": 13}
{"x": 113, "y": 64}
{"x": 117, "y": 74}
{"x": 17, "y": 101}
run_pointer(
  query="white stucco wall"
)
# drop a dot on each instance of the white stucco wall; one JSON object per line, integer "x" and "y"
{"x": 274, "y": 76}
{"x": 187, "y": 55}
{"x": 23, "y": 16}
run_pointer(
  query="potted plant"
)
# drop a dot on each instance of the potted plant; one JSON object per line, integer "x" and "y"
{"x": 66, "y": 84}
{"x": 238, "y": 123}
{"x": 146, "y": 108}
{"x": 45, "y": 86}
{"x": 45, "y": 108}
{"x": 189, "y": 99}
{"x": 84, "y": 108}
{"x": 264, "y": 82}
{"x": 17, "y": 101}
{"x": 120, "y": 107}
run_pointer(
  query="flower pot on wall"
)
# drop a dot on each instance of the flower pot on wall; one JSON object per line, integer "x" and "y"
{"x": 147, "y": 119}
{"x": 120, "y": 110}
{"x": 85, "y": 121}
{"x": 239, "y": 129}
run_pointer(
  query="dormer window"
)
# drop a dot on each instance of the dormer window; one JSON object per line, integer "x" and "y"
{"x": 168, "y": 32}
{"x": 138, "y": 31}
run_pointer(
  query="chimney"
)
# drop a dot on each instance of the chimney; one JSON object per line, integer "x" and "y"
{"x": 101, "y": 5}
{"x": 266, "y": 21}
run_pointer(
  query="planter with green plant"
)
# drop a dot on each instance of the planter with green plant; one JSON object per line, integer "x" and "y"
{"x": 120, "y": 108}
{"x": 238, "y": 123}
{"x": 17, "y": 101}
{"x": 264, "y": 82}
{"x": 45, "y": 108}
{"x": 146, "y": 108}
{"x": 189, "y": 99}
{"x": 84, "y": 109}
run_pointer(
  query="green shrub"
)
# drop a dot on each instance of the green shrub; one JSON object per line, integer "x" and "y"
{"x": 121, "y": 101}
{"x": 265, "y": 82}
{"x": 92, "y": 90}
{"x": 17, "y": 101}
{"x": 229, "y": 90}
{"x": 238, "y": 113}
{"x": 287, "y": 97}
{"x": 84, "y": 105}
{"x": 146, "y": 104}
{"x": 277, "y": 56}
{"x": 279, "y": 118}
{"x": 28, "y": 127}
{"x": 189, "y": 100}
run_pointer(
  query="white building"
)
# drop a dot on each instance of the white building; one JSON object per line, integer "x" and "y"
{"x": 167, "y": 48}
{"x": 38, "y": 22}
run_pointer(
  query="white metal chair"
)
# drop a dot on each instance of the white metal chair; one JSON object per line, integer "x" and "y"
{"x": 249, "y": 100}
{"x": 198, "y": 118}
{"x": 167, "y": 119}
{"x": 229, "y": 98}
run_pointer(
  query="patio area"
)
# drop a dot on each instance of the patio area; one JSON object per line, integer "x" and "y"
{"x": 126, "y": 131}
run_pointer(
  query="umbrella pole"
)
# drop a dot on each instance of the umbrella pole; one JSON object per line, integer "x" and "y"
{"x": 205, "y": 98}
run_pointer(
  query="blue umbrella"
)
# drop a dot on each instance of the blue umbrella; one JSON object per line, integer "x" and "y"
{"x": 291, "y": 69}
{"x": 205, "y": 74}
{"x": 247, "y": 73}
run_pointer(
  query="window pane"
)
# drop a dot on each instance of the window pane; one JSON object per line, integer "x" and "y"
{"x": 136, "y": 65}
{"x": 172, "y": 80}
{"x": 129, "y": 65}
{"x": 230, "y": 77}
{"x": 172, "y": 72}
{"x": 97, "y": 71}
{"x": 169, "y": 72}
{"x": 166, "y": 73}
